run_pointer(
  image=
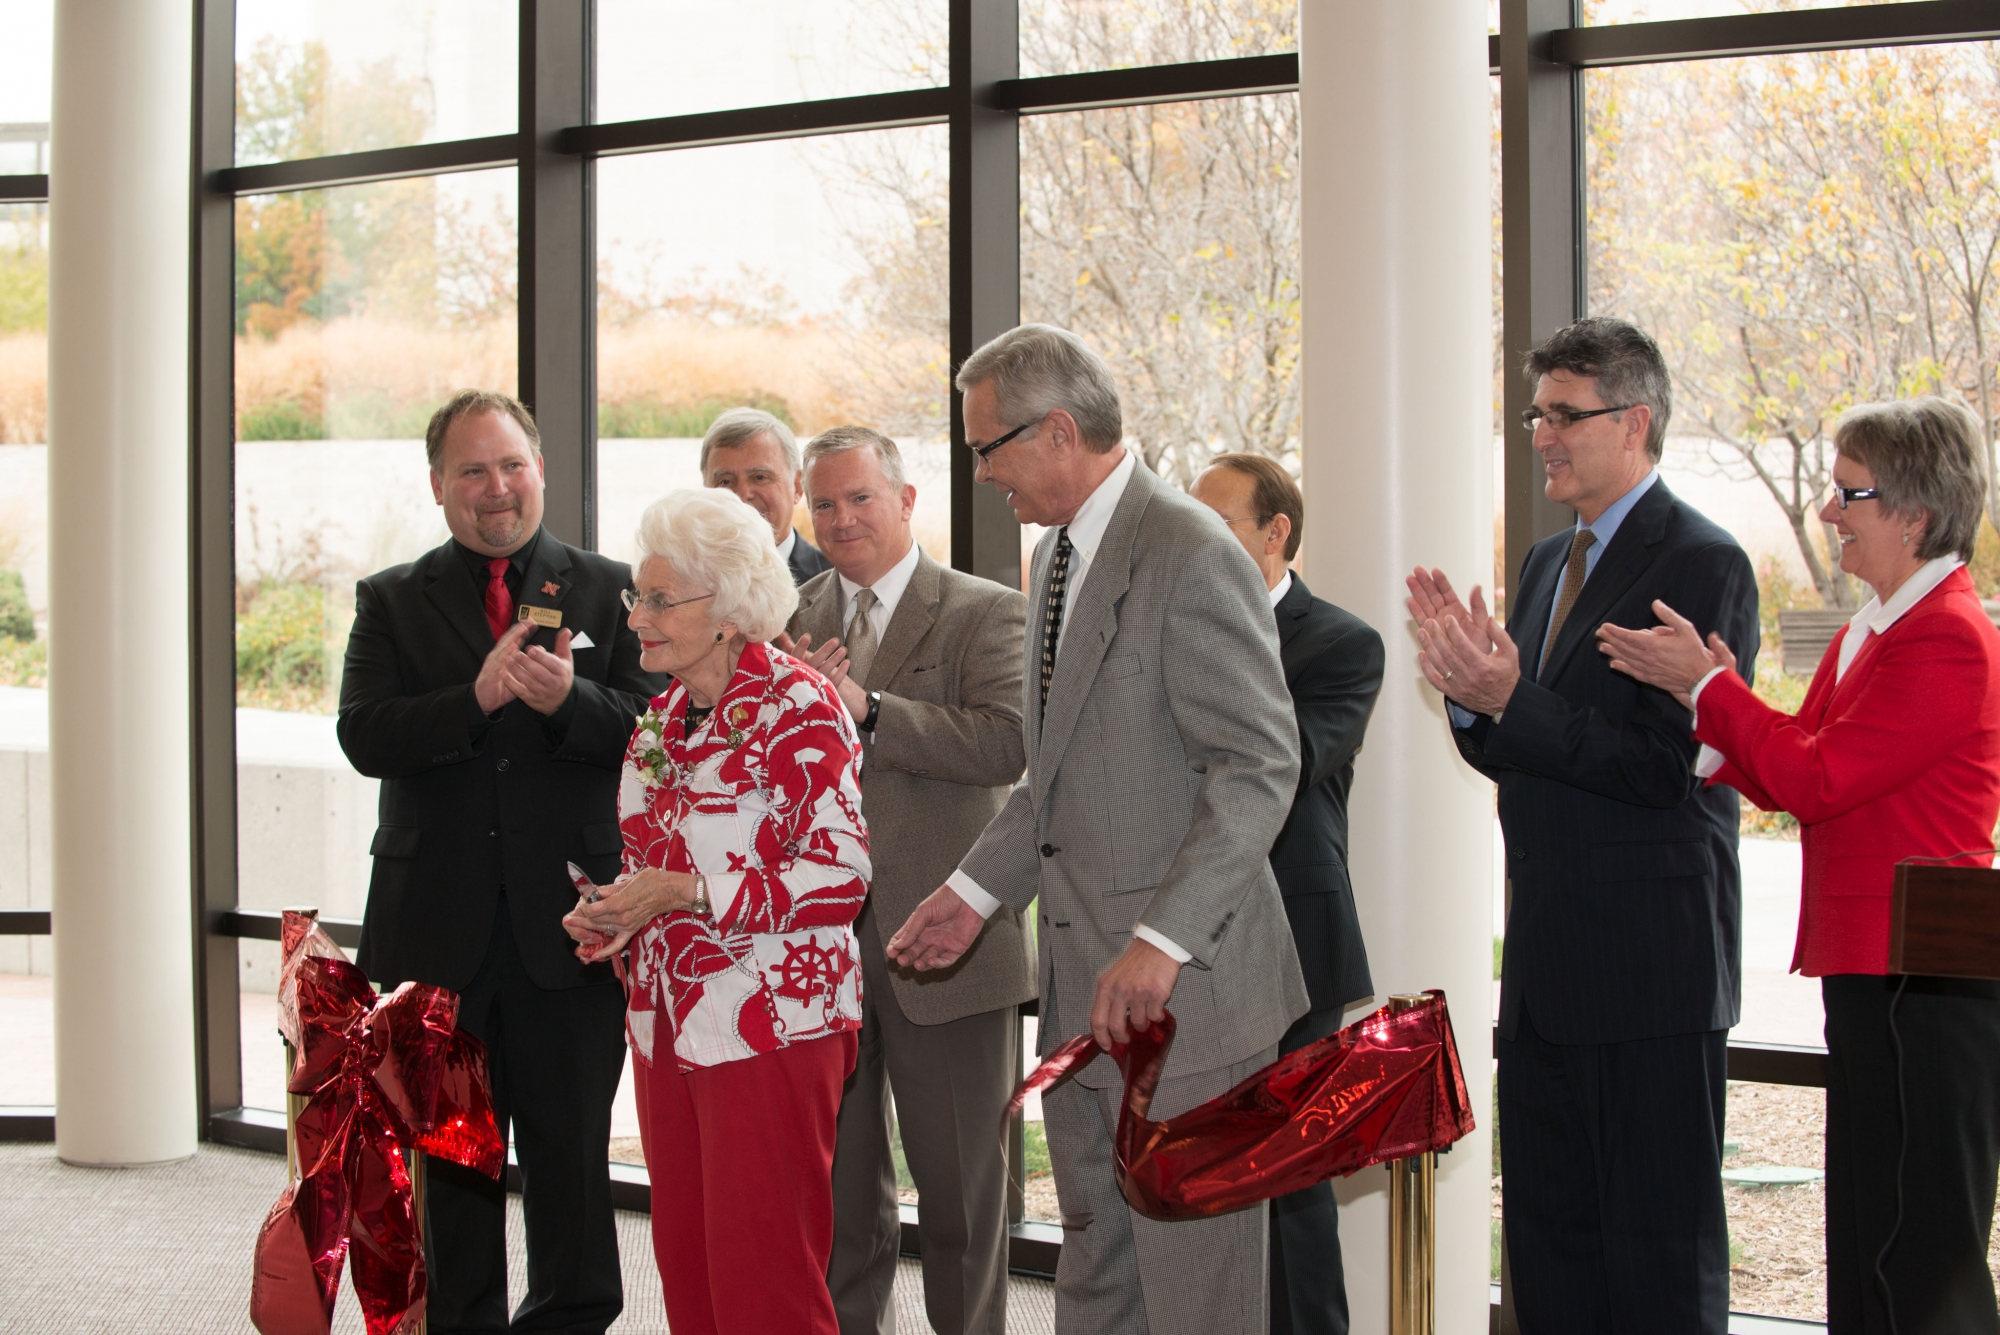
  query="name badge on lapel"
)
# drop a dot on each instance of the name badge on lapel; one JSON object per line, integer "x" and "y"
{"x": 541, "y": 616}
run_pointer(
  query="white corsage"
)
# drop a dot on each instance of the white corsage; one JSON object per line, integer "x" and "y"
{"x": 651, "y": 755}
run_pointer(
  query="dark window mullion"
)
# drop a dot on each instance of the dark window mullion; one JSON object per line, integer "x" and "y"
{"x": 985, "y": 258}
{"x": 557, "y": 277}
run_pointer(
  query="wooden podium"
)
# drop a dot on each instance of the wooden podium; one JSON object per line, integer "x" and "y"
{"x": 1945, "y": 921}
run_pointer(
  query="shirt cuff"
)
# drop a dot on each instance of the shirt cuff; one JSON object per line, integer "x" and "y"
{"x": 726, "y": 904}
{"x": 1694, "y": 693}
{"x": 1166, "y": 947}
{"x": 1708, "y": 760}
{"x": 1461, "y": 717}
{"x": 968, "y": 890}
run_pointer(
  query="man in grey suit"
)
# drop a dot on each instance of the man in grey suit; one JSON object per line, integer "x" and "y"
{"x": 928, "y": 661}
{"x": 1162, "y": 759}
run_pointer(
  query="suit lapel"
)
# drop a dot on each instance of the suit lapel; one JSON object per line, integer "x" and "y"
{"x": 1291, "y": 611}
{"x": 1630, "y": 552}
{"x": 451, "y": 589}
{"x": 1090, "y": 619}
{"x": 546, "y": 581}
{"x": 916, "y": 613}
{"x": 1031, "y": 646}
{"x": 1534, "y": 605}
{"x": 819, "y": 610}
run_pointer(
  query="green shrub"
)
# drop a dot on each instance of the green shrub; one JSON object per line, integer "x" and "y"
{"x": 23, "y": 662}
{"x": 17, "y": 620}
{"x": 651, "y": 419}
{"x": 281, "y": 646}
{"x": 283, "y": 420}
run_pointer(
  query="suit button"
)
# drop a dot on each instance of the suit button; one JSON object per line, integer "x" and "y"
{"x": 493, "y": 834}
{"x": 503, "y": 764}
{"x": 1048, "y": 850}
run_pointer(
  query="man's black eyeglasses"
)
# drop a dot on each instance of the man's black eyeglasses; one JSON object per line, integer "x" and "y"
{"x": 1561, "y": 419}
{"x": 1846, "y": 494}
{"x": 986, "y": 450}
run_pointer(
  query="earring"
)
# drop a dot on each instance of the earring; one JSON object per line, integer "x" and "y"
{"x": 1906, "y": 539}
{"x": 718, "y": 634}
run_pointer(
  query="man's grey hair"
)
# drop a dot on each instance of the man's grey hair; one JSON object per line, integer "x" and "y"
{"x": 841, "y": 439}
{"x": 1926, "y": 457}
{"x": 1038, "y": 368}
{"x": 740, "y": 426}
{"x": 1624, "y": 361}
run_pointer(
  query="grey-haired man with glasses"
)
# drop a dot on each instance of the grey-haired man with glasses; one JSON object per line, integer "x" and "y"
{"x": 1622, "y": 970}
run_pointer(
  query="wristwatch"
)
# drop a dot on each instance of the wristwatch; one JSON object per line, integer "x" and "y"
{"x": 874, "y": 711}
{"x": 700, "y": 904}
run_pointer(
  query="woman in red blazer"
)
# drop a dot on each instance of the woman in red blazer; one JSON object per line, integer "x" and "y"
{"x": 1894, "y": 755}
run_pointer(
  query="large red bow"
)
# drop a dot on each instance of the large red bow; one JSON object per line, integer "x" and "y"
{"x": 1386, "y": 1087}
{"x": 382, "y": 1074}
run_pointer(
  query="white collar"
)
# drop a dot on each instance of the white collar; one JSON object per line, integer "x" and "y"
{"x": 1086, "y": 530}
{"x": 888, "y": 589}
{"x": 790, "y": 541}
{"x": 1878, "y": 616}
{"x": 1284, "y": 587}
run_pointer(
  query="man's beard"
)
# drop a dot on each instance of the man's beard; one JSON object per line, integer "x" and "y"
{"x": 500, "y": 528}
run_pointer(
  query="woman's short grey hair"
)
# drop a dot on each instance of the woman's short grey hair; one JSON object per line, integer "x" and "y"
{"x": 841, "y": 439}
{"x": 715, "y": 543}
{"x": 1624, "y": 361}
{"x": 740, "y": 426}
{"x": 1038, "y": 368}
{"x": 1926, "y": 457}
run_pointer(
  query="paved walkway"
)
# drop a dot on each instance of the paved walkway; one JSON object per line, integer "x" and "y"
{"x": 113, "y": 1251}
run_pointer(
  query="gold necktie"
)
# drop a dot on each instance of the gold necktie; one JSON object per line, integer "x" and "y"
{"x": 1572, "y": 586}
{"x": 861, "y": 642}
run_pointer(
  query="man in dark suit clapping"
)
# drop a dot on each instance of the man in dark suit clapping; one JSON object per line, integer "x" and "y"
{"x": 492, "y": 685}
{"x": 1333, "y": 667}
{"x": 1623, "y": 965}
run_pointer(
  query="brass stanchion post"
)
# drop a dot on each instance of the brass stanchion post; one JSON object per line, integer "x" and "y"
{"x": 1412, "y": 1233}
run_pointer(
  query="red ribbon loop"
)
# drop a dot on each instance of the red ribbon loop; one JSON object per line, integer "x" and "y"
{"x": 381, "y": 1074}
{"x": 1387, "y": 1087}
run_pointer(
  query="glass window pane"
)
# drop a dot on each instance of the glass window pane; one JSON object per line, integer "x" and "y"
{"x": 1648, "y": 11}
{"x": 1069, "y": 36}
{"x": 1794, "y": 230}
{"x": 813, "y": 282}
{"x": 1168, "y": 238}
{"x": 358, "y": 311}
{"x": 761, "y": 53}
{"x": 27, "y": 1068}
{"x": 1777, "y": 1219}
{"x": 313, "y": 79}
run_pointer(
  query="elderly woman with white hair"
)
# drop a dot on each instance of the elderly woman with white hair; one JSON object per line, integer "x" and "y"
{"x": 746, "y": 862}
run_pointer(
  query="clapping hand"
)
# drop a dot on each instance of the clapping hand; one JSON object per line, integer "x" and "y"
{"x": 539, "y": 679}
{"x": 493, "y": 687}
{"x": 1465, "y": 652}
{"x": 1670, "y": 656}
{"x": 830, "y": 662}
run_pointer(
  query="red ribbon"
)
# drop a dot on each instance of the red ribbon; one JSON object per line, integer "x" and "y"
{"x": 1386, "y": 1087}
{"x": 382, "y": 1074}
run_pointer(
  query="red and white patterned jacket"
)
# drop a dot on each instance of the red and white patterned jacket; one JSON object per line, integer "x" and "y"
{"x": 765, "y": 800}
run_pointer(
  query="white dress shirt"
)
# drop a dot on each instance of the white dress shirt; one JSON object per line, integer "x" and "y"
{"x": 888, "y": 592}
{"x": 1086, "y": 536}
{"x": 1284, "y": 586}
{"x": 1873, "y": 619}
{"x": 790, "y": 540}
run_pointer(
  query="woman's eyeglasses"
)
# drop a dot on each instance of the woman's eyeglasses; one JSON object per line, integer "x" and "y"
{"x": 656, "y": 603}
{"x": 1847, "y": 494}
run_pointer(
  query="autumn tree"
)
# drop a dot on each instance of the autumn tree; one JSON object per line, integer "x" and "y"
{"x": 1803, "y": 233}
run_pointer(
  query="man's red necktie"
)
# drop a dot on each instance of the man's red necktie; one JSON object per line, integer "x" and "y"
{"x": 499, "y": 602}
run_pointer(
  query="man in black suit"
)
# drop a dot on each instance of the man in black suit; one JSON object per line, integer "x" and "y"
{"x": 492, "y": 684}
{"x": 1333, "y": 666}
{"x": 755, "y": 455}
{"x": 1622, "y": 970}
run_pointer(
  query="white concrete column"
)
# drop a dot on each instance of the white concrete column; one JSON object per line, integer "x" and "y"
{"x": 1398, "y": 470}
{"x": 118, "y": 580}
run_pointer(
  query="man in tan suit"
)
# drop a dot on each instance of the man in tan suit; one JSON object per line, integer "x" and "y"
{"x": 928, "y": 661}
